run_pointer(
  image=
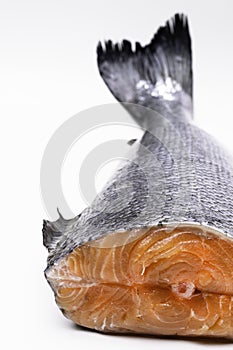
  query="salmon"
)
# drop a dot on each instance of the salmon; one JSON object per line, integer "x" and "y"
{"x": 153, "y": 254}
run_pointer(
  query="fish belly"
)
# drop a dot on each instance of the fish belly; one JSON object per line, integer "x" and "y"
{"x": 160, "y": 280}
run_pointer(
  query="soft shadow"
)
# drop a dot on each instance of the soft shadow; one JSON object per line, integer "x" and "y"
{"x": 199, "y": 340}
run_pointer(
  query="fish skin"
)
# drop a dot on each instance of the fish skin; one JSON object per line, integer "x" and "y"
{"x": 177, "y": 173}
{"x": 152, "y": 253}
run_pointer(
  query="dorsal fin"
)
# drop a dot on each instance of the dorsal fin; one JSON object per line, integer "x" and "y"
{"x": 158, "y": 75}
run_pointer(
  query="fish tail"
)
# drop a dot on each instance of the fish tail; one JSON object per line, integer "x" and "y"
{"x": 158, "y": 75}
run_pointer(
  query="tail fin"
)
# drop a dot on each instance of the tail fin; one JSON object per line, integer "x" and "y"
{"x": 158, "y": 75}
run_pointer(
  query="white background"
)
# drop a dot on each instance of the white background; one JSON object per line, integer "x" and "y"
{"x": 48, "y": 73}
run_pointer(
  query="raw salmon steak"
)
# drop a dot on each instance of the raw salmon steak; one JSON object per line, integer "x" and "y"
{"x": 153, "y": 253}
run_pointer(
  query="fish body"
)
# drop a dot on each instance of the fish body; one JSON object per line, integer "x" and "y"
{"x": 154, "y": 251}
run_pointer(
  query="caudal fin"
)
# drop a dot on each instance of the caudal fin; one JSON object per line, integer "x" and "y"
{"x": 158, "y": 75}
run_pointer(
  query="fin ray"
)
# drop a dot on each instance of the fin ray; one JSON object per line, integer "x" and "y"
{"x": 158, "y": 75}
